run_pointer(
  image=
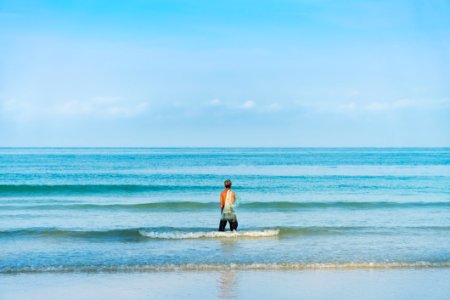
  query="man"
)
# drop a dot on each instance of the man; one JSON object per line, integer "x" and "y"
{"x": 227, "y": 201}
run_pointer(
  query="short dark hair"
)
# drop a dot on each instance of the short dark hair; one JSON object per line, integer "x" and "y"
{"x": 227, "y": 183}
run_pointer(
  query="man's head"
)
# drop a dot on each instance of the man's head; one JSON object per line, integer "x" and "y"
{"x": 227, "y": 183}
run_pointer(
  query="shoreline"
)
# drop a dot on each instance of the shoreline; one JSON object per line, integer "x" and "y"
{"x": 338, "y": 266}
{"x": 362, "y": 284}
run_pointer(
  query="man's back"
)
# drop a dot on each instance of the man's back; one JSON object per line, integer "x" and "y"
{"x": 227, "y": 200}
{"x": 223, "y": 197}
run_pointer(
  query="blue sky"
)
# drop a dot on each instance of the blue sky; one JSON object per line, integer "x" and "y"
{"x": 225, "y": 73}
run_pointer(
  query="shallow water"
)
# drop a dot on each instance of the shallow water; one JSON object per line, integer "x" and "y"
{"x": 98, "y": 209}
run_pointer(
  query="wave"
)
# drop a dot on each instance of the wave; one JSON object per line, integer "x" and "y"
{"x": 140, "y": 234}
{"x": 175, "y": 205}
{"x": 179, "y": 235}
{"x": 157, "y": 233}
{"x": 343, "y": 204}
{"x": 63, "y": 233}
{"x": 265, "y": 206}
{"x": 39, "y": 189}
{"x": 231, "y": 266}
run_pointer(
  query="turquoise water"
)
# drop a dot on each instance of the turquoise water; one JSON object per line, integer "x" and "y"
{"x": 100, "y": 209}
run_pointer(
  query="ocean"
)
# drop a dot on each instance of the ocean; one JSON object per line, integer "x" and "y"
{"x": 157, "y": 209}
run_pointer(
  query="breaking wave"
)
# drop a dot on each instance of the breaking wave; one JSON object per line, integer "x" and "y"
{"x": 157, "y": 233}
{"x": 179, "y": 235}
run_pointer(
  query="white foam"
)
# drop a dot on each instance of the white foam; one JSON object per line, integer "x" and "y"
{"x": 178, "y": 235}
{"x": 232, "y": 266}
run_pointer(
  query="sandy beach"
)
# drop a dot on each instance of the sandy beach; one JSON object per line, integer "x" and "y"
{"x": 231, "y": 284}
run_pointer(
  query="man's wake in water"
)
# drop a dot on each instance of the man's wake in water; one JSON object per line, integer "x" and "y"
{"x": 227, "y": 201}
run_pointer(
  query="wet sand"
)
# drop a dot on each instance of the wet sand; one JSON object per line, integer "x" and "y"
{"x": 362, "y": 284}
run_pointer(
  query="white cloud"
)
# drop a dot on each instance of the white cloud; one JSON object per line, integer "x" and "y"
{"x": 14, "y": 108}
{"x": 361, "y": 106}
{"x": 377, "y": 106}
{"x": 97, "y": 106}
{"x": 233, "y": 105}
{"x": 273, "y": 107}
{"x": 248, "y": 105}
{"x": 100, "y": 105}
{"x": 347, "y": 107}
{"x": 73, "y": 107}
{"x": 406, "y": 104}
{"x": 215, "y": 102}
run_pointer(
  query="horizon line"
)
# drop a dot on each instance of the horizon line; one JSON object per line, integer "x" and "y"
{"x": 225, "y": 147}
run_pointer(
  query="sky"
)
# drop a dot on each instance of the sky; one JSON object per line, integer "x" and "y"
{"x": 179, "y": 73}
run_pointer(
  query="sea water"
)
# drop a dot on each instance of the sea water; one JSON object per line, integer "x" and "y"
{"x": 150, "y": 209}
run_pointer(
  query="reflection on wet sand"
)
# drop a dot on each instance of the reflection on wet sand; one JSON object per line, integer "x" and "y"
{"x": 227, "y": 284}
